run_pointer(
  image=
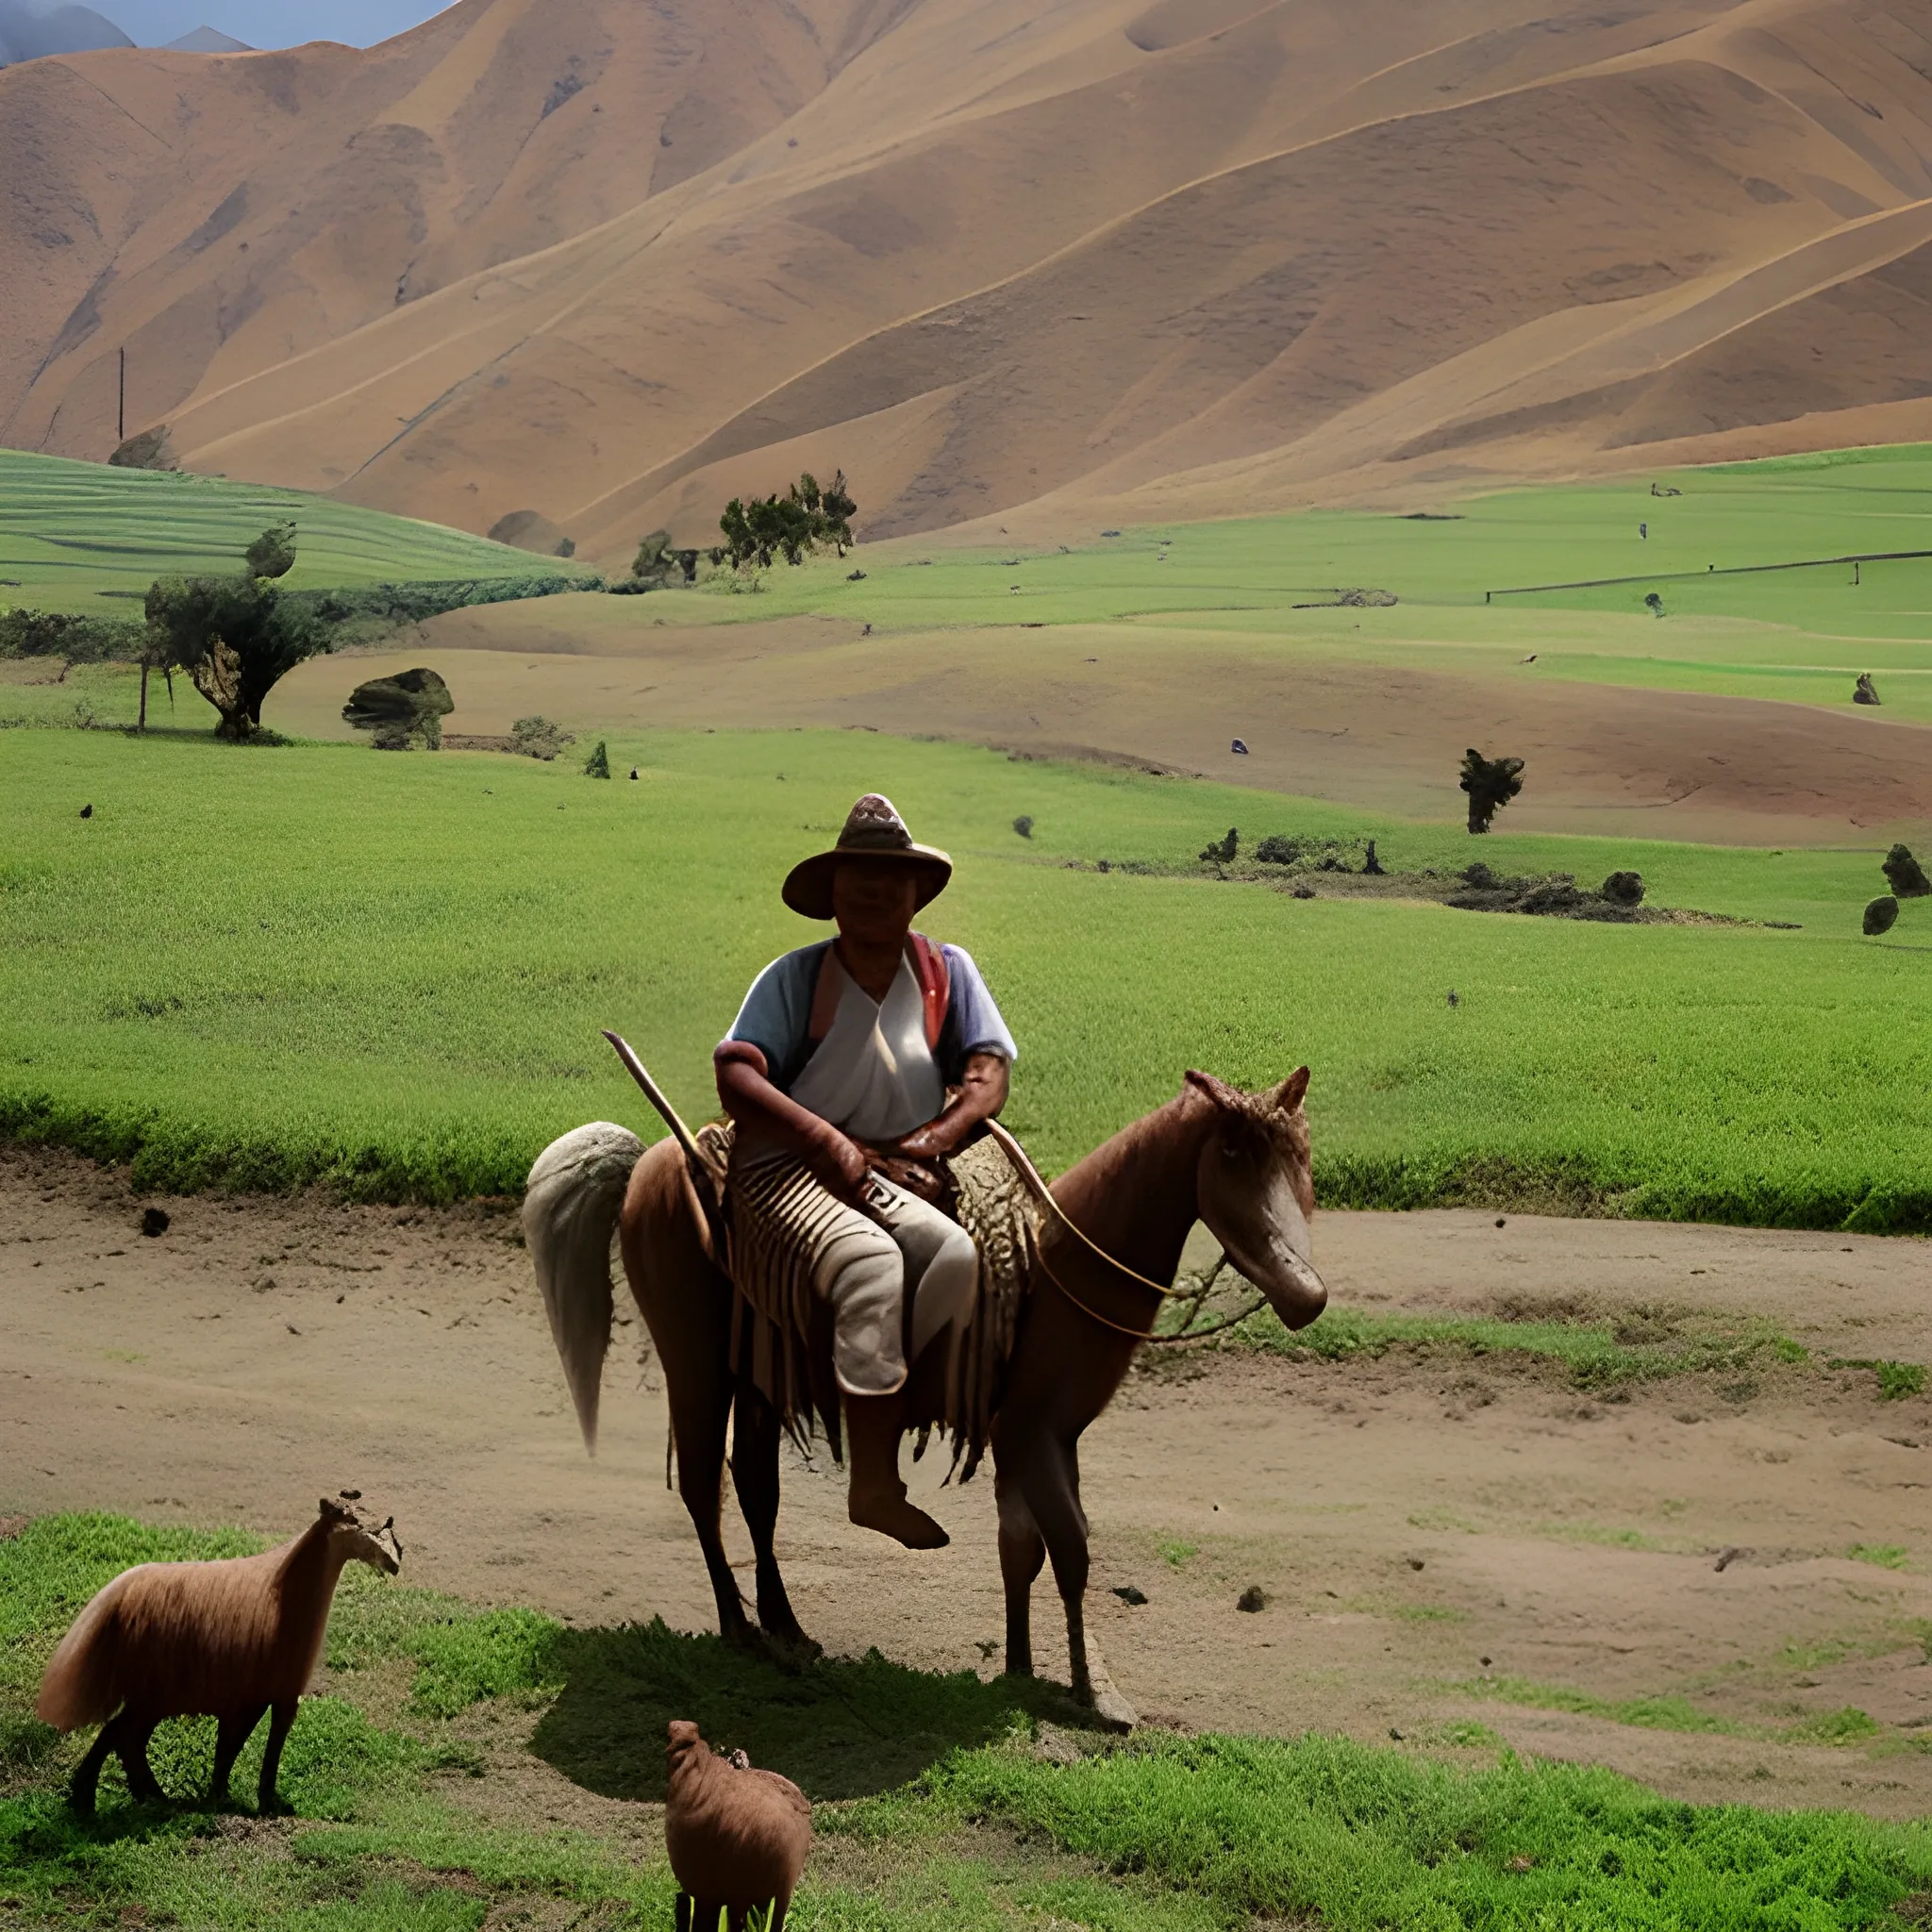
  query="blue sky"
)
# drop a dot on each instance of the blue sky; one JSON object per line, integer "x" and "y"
{"x": 268, "y": 23}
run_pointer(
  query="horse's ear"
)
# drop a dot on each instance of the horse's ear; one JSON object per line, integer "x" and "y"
{"x": 1288, "y": 1096}
{"x": 1229, "y": 1099}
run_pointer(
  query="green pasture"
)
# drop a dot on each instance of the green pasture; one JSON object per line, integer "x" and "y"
{"x": 417, "y": 1806}
{"x": 261, "y": 966}
{"x": 90, "y": 539}
{"x": 1782, "y": 511}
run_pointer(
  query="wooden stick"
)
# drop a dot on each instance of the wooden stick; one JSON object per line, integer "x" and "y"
{"x": 655, "y": 1094}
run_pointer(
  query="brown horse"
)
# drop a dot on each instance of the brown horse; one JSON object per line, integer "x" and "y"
{"x": 1112, "y": 1227}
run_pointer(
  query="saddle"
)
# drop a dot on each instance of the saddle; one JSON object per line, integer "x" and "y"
{"x": 781, "y": 1338}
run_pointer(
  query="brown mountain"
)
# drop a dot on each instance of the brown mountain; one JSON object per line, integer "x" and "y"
{"x": 610, "y": 262}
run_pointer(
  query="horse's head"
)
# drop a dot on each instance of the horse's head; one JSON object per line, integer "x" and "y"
{"x": 1255, "y": 1191}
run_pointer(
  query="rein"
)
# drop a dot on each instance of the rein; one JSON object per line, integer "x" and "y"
{"x": 1023, "y": 1164}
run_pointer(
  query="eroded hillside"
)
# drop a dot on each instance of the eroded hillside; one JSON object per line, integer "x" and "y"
{"x": 611, "y": 262}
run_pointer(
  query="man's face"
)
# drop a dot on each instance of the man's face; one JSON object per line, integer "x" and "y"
{"x": 873, "y": 900}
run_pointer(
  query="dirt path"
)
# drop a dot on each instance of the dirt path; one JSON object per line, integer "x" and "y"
{"x": 1418, "y": 1522}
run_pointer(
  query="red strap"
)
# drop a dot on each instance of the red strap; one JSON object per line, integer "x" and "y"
{"x": 935, "y": 983}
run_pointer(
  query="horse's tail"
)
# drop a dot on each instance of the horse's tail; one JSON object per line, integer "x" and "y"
{"x": 571, "y": 1205}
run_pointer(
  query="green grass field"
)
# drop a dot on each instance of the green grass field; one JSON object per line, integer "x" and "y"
{"x": 88, "y": 539}
{"x": 265, "y": 966}
{"x": 415, "y": 1808}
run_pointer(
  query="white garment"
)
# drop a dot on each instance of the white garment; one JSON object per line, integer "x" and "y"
{"x": 873, "y": 1075}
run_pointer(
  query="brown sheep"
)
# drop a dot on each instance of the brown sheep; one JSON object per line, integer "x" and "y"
{"x": 225, "y": 1640}
{"x": 738, "y": 1838}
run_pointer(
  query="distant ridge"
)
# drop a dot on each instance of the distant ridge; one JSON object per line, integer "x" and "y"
{"x": 1103, "y": 262}
{"x": 207, "y": 39}
{"x": 31, "y": 36}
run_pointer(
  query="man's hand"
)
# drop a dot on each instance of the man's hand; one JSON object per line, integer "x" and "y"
{"x": 979, "y": 1096}
{"x": 915, "y": 1176}
{"x": 839, "y": 1165}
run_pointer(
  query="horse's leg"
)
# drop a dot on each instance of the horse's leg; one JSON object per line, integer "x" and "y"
{"x": 86, "y": 1773}
{"x": 132, "y": 1746}
{"x": 1052, "y": 1482}
{"x": 687, "y": 1304}
{"x": 755, "y": 1441}
{"x": 700, "y": 1407}
{"x": 1022, "y": 1550}
{"x": 231, "y": 1734}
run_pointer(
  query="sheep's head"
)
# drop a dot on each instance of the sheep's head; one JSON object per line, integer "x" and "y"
{"x": 353, "y": 1540}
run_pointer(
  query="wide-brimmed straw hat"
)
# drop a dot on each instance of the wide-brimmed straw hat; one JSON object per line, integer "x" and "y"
{"x": 874, "y": 830}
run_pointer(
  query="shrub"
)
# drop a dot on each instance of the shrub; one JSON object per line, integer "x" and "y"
{"x": 80, "y": 640}
{"x": 1491, "y": 784}
{"x": 598, "y": 764}
{"x": 272, "y": 553}
{"x": 1023, "y": 825}
{"x": 397, "y": 709}
{"x": 538, "y": 738}
{"x": 1905, "y": 876}
{"x": 1880, "y": 916}
{"x": 1222, "y": 851}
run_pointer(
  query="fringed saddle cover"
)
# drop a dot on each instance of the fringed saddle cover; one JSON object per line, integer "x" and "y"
{"x": 781, "y": 1336}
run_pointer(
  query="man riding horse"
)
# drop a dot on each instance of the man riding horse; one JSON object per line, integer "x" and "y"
{"x": 852, "y": 1066}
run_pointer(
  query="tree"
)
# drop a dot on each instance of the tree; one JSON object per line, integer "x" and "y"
{"x": 234, "y": 639}
{"x": 272, "y": 553}
{"x": 654, "y": 559}
{"x": 1491, "y": 783}
{"x": 791, "y": 526}
{"x": 396, "y": 709}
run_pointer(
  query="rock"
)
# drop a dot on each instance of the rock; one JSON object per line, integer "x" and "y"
{"x": 1417, "y": 1562}
{"x": 153, "y": 1221}
{"x": 1238, "y": 746}
{"x": 1864, "y": 692}
{"x": 1880, "y": 916}
{"x": 1129, "y": 1593}
{"x": 1903, "y": 874}
{"x": 1623, "y": 889}
{"x": 1253, "y": 1598}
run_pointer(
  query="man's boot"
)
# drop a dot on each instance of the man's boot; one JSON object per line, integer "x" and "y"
{"x": 876, "y": 1498}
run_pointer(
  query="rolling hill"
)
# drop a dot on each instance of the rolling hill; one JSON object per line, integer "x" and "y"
{"x": 1042, "y": 263}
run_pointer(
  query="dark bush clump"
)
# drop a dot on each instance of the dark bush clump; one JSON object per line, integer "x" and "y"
{"x": 1023, "y": 825}
{"x": 80, "y": 640}
{"x": 398, "y": 710}
{"x": 1222, "y": 851}
{"x": 598, "y": 764}
{"x": 1905, "y": 876}
{"x": 1623, "y": 889}
{"x": 1880, "y": 916}
{"x": 1491, "y": 783}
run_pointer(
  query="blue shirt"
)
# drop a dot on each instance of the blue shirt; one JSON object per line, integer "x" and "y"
{"x": 777, "y": 1016}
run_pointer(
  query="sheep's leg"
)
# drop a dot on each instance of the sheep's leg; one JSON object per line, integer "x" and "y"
{"x": 86, "y": 1773}
{"x": 755, "y": 1433}
{"x": 236, "y": 1729}
{"x": 284, "y": 1715}
{"x": 132, "y": 1746}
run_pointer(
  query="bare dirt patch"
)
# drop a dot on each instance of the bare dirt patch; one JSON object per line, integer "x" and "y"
{"x": 1604, "y": 758}
{"x": 1438, "y": 1536}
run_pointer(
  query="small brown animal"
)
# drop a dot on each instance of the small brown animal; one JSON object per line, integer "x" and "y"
{"x": 738, "y": 1838}
{"x": 227, "y": 1639}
